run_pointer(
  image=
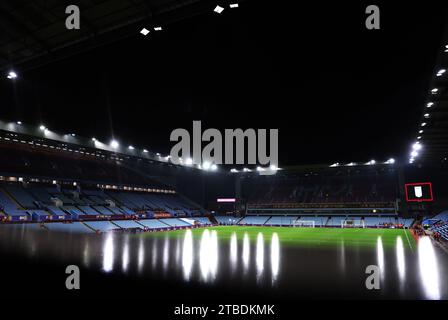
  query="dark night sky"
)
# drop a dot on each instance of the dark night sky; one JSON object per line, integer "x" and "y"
{"x": 335, "y": 90}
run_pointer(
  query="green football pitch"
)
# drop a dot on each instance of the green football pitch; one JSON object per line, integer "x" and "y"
{"x": 310, "y": 237}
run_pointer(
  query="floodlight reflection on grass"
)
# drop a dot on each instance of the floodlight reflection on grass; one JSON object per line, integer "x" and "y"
{"x": 187, "y": 255}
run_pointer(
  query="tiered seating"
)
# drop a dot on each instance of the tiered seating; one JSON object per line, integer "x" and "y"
{"x": 89, "y": 210}
{"x": 441, "y": 228}
{"x": 74, "y": 211}
{"x": 226, "y": 220}
{"x": 407, "y": 223}
{"x": 127, "y": 224}
{"x": 122, "y": 197}
{"x": 335, "y": 221}
{"x": 40, "y": 194}
{"x": 115, "y": 210}
{"x": 176, "y": 222}
{"x": 378, "y": 221}
{"x": 202, "y": 220}
{"x": 102, "y": 226}
{"x": 127, "y": 210}
{"x": 103, "y": 210}
{"x": 21, "y": 196}
{"x": 9, "y": 207}
{"x": 281, "y": 221}
{"x": 55, "y": 210}
{"x": 73, "y": 227}
{"x": 256, "y": 220}
{"x": 369, "y": 185}
{"x": 153, "y": 224}
{"x": 442, "y": 216}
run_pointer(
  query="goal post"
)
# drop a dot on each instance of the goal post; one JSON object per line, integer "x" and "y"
{"x": 351, "y": 223}
{"x": 304, "y": 223}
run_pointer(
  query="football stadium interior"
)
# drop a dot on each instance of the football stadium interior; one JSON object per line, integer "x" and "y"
{"x": 133, "y": 218}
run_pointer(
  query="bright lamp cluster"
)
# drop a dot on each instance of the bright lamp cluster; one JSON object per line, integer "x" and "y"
{"x": 218, "y": 9}
{"x": 424, "y": 124}
{"x": 368, "y": 163}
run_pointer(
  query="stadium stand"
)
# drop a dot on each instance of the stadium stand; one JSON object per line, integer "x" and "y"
{"x": 101, "y": 226}
{"x": 153, "y": 224}
{"x": 21, "y": 196}
{"x": 329, "y": 187}
{"x": 318, "y": 221}
{"x": 73, "y": 227}
{"x": 175, "y": 222}
{"x": 281, "y": 221}
{"x": 12, "y": 209}
{"x": 254, "y": 220}
{"x": 440, "y": 229}
{"x": 202, "y": 220}
{"x": 128, "y": 224}
{"x": 103, "y": 210}
{"x": 335, "y": 221}
{"x": 227, "y": 220}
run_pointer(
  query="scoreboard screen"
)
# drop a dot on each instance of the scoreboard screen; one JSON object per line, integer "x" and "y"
{"x": 419, "y": 192}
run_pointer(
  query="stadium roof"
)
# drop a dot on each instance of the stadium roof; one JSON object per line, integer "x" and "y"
{"x": 432, "y": 130}
{"x": 33, "y": 32}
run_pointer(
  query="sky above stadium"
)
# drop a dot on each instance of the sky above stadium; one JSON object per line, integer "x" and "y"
{"x": 336, "y": 91}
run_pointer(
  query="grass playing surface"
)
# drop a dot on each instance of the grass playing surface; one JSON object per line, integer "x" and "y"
{"x": 308, "y": 236}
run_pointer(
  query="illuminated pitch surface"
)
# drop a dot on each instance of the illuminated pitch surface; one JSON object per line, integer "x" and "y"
{"x": 310, "y": 237}
{"x": 216, "y": 263}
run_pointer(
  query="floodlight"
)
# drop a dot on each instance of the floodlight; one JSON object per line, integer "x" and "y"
{"x": 414, "y": 154}
{"x": 131, "y": 148}
{"x": 417, "y": 146}
{"x": 144, "y": 31}
{"x": 11, "y": 75}
{"x": 19, "y": 122}
{"x": 145, "y": 151}
{"x": 42, "y": 128}
{"x": 233, "y": 170}
{"x": 335, "y": 165}
{"x": 189, "y": 162}
{"x": 114, "y": 144}
{"x": 390, "y": 161}
{"x": 214, "y": 167}
{"x": 206, "y": 165}
{"x": 218, "y": 9}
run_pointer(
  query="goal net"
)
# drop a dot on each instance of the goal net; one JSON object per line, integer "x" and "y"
{"x": 304, "y": 223}
{"x": 349, "y": 223}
